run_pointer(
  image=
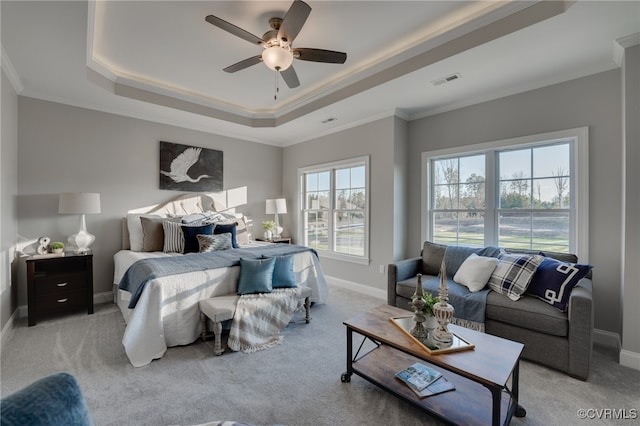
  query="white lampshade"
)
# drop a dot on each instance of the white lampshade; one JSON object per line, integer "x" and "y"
{"x": 276, "y": 206}
{"x": 80, "y": 203}
{"x": 277, "y": 58}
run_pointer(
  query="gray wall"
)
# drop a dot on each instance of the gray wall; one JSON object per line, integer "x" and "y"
{"x": 631, "y": 268}
{"x": 593, "y": 101}
{"x": 376, "y": 139}
{"x": 68, "y": 149}
{"x": 8, "y": 193}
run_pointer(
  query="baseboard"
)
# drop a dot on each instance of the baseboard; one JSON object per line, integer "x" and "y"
{"x": 607, "y": 338}
{"x": 7, "y": 330}
{"x": 630, "y": 359}
{"x": 360, "y": 288}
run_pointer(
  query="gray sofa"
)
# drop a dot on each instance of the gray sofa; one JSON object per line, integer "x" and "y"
{"x": 560, "y": 340}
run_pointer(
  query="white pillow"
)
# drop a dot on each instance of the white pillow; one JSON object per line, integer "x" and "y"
{"x": 475, "y": 271}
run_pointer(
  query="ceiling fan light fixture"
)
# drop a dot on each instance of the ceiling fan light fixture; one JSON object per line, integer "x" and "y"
{"x": 277, "y": 58}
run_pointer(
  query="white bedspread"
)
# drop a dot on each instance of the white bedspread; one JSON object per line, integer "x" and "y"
{"x": 167, "y": 313}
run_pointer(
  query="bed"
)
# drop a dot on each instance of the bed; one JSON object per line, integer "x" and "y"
{"x": 166, "y": 313}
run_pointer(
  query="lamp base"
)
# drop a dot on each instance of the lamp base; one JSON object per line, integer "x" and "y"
{"x": 82, "y": 239}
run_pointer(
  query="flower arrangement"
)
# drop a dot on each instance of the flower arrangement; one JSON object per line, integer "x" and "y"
{"x": 268, "y": 225}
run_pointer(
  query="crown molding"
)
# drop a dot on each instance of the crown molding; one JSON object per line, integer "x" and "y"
{"x": 11, "y": 73}
{"x": 624, "y": 43}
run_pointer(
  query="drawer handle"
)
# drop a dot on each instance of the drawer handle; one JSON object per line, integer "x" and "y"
{"x": 62, "y": 284}
{"x": 62, "y": 300}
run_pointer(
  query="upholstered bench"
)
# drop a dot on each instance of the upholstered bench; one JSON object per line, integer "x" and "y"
{"x": 222, "y": 308}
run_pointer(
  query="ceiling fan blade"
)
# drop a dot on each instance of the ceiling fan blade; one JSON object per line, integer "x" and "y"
{"x": 244, "y": 64}
{"x": 319, "y": 55}
{"x": 290, "y": 77}
{"x": 293, "y": 21}
{"x": 236, "y": 31}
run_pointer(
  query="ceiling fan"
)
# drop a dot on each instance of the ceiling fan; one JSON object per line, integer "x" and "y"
{"x": 278, "y": 53}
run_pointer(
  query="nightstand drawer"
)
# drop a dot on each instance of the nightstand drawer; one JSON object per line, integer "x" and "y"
{"x": 61, "y": 302}
{"x": 61, "y": 283}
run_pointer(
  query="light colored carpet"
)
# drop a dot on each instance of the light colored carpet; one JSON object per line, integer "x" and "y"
{"x": 296, "y": 383}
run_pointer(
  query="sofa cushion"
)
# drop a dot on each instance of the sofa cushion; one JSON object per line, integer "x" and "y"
{"x": 554, "y": 280}
{"x": 527, "y": 313}
{"x": 454, "y": 257}
{"x": 514, "y": 273}
{"x": 475, "y": 271}
{"x": 432, "y": 255}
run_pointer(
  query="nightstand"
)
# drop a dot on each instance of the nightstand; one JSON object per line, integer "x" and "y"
{"x": 58, "y": 285}
{"x": 283, "y": 240}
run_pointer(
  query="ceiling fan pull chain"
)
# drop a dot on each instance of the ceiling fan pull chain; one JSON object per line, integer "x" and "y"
{"x": 275, "y": 96}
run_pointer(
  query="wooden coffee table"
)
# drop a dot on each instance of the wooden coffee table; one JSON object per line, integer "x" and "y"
{"x": 486, "y": 377}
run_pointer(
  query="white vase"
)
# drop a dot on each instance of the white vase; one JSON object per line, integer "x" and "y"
{"x": 267, "y": 235}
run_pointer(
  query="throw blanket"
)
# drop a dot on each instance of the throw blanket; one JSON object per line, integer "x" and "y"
{"x": 145, "y": 270}
{"x": 470, "y": 307}
{"x": 260, "y": 317}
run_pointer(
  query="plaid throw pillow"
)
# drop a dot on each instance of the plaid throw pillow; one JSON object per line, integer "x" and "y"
{"x": 514, "y": 273}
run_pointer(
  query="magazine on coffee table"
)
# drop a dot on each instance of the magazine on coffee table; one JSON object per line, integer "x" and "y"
{"x": 418, "y": 376}
{"x": 440, "y": 385}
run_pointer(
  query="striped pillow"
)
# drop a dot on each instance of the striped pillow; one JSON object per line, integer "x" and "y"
{"x": 173, "y": 237}
{"x": 514, "y": 273}
{"x": 214, "y": 242}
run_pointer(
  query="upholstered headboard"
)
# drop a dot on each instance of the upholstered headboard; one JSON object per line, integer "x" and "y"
{"x": 197, "y": 202}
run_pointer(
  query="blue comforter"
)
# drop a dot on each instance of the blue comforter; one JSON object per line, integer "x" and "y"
{"x": 141, "y": 272}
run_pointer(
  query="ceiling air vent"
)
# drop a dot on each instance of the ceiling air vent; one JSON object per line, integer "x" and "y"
{"x": 446, "y": 79}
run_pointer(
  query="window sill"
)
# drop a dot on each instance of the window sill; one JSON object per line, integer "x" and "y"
{"x": 344, "y": 257}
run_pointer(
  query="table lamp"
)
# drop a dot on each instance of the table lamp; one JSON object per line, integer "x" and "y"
{"x": 276, "y": 206}
{"x": 80, "y": 203}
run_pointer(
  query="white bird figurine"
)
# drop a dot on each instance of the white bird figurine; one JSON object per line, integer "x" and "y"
{"x": 181, "y": 165}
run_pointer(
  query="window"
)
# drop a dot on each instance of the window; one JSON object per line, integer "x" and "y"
{"x": 334, "y": 208}
{"x": 528, "y": 193}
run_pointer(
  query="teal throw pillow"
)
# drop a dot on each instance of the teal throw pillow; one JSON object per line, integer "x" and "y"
{"x": 283, "y": 273}
{"x": 256, "y": 275}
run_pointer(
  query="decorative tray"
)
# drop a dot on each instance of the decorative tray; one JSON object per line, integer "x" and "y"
{"x": 432, "y": 347}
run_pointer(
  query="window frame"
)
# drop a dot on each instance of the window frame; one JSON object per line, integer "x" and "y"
{"x": 332, "y": 167}
{"x": 579, "y": 226}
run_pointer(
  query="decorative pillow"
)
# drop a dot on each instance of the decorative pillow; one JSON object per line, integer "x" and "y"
{"x": 283, "y": 273}
{"x": 134, "y": 226}
{"x": 475, "y": 271}
{"x": 214, "y": 242}
{"x": 256, "y": 275}
{"x": 432, "y": 255}
{"x": 191, "y": 244}
{"x": 514, "y": 273}
{"x": 197, "y": 219}
{"x": 152, "y": 233}
{"x": 223, "y": 228}
{"x": 173, "y": 237}
{"x": 554, "y": 281}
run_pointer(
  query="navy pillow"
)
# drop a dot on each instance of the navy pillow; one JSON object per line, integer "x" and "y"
{"x": 283, "y": 273}
{"x": 554, "y": 280}
{"x": 222, "y": 228}
{"x": 191, "y": 243}
{"x": 256, "y": 275}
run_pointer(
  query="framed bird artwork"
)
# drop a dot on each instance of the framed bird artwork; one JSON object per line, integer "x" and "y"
{"x": 190, "y": 168}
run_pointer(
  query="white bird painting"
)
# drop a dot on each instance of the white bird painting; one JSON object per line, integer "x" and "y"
{"x": 190, "y": 168}
{"x": 182, "y": 163}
